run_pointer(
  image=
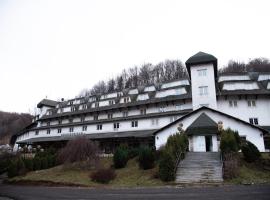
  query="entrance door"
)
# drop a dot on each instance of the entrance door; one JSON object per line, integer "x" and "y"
{"x": 208, "y": 143}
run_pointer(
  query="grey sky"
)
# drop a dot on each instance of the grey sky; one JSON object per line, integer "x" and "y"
{"x": 57, "y": 48}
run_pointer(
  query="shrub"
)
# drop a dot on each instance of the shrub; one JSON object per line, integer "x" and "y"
{"x": 12, "y": 169}
{"x": 228, "y": 142}
{"x": 78, "y": 150}
{"x": 146, "y": 158}
{"x": 37, "y": 163}
{"x": 230, "y": 165}
{"x": 166, "y": 167}
{"x": 5, "y": 160}
{"x": 120, "y": 157}
{"x": 177, "y": 143}
{"x": 133, "y": 152}
{"x": 103, "y": 175}
{"x": 44, "y": 163}
{"x": 51, "y": 161}
{"x": 250, "y": 152}
{"x": 29, "y": 165}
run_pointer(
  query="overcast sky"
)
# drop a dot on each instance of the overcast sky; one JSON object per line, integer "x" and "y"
{"x": 57, "y": 48}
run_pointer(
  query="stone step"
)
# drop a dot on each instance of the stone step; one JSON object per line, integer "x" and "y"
{"x": 200, "y": 167}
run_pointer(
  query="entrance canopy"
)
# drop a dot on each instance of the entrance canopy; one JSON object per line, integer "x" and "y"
{"x": 203, "y": 125}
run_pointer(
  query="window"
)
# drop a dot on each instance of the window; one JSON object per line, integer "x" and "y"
{"x": 99, "y": 127}
{"x": 36, "y": 133}
{"x": 73, "y": 109}
{"x": 233, "y": 103}
{"x": 59, "y": 130}
{"x": 202, "y": 72}
{"x": 48, "y": 123}
{"x": 251, "y": 103}
{"x": 173, "y": 118}
{"x": 61, "y": 110}
{"x": 143, "y": 111}
{"x": 70, "y": 120}
{"x": 59, "y": 121}
{"x": 134, "y": 124}
{"x": 84, "y": 106}
{"x": 125, "y": 113}
{"x": 126, "y": 99}
{"x": 48, "y": 131}
{"x": 95, "y": 117}
{"x": 111, "y": 102}
{"x": 253, "y": 121}
{"x": 84, "y": 128}
{"x": 82, "y": 119}
{"x": 203, "y": 90}
{"x": 71, "y": 129}
{"x": 162, "y": 109}
{"x": 243, "y": 138}
{"x": 96, "y": 105}
{"x": 154, "y": 122}
{"x": 116, "y": 126}
{"x": 71, "y": 103}
{"x": 110, "y": 116}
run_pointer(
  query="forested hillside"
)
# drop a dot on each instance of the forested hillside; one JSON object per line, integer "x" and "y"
{"x": 168, "y": 70}
{"x": 12, "y": 123}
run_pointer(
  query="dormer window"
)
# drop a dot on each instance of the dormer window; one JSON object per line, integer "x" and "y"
{"x": 73, "y": 109}
{"x": 84, "y": 128}
{"x": 143, "y": 111}
{"x": 110, "y": 116}
{"x": 125, "y": 113}
{"x": 36, "y": 133}
{"x": 82, "y": 119}
{"x": 126, "y": 99}
{"x": 59, "y": 130}
{"x": 95, "y": 117}
{"x": 71, "y": 129}
{"x": 111, "y": 102}
{"x": 99, "y": 127}
{"x": 48, "y": 131}
{"x": 84, "y": 106}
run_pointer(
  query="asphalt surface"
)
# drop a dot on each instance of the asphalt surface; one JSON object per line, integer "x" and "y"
{"x": 255, "y": 192}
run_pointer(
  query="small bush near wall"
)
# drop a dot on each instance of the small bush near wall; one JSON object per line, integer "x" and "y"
{"x": 103, "y": 175}
{"x": 166, "y": 166}
{"x": 120, "y": 157}
{"x": 29, "y": 164}
{"x": 16, "y": 168}
{"x": 250, "y": 152}
{"x": 175, "y": 147}
{"x": 80, "y": 150}
{"x": 146, "y": 158}
{"x": 229, "y": 142}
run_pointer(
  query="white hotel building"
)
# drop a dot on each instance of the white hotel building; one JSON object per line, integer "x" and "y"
{"x": 149, "y": 115}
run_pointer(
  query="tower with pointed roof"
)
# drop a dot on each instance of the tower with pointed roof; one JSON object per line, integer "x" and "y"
{"x": 202, "y": 69}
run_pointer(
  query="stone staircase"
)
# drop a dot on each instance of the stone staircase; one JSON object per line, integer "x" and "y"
{"x": 200, "y": 167}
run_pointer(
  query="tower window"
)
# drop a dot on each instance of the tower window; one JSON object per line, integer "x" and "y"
{"x": 202, "y": 72}
{"x": 110, "y": 116}
{"x": 59, "y": 130}
{"x": 116, "y": 126}
{"x": 203, "y": 90}
{"x": 125, "y": 113}
{"x": 71, "y": 129}
{"x": 84, "y": 128}
{"x": 48, "y": 131}
{"x": 143, "y": 111}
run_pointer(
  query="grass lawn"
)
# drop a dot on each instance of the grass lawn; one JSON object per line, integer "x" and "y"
{"x": 130, "y": 176}
{"x": 250, "y": 173}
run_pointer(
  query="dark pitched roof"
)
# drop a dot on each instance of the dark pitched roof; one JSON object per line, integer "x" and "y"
{"x": 201, "y": 58}
{"x": 110, "y": 135}
{"x": 213, "y": 110}
{"x": 47, "y": 102}
{"x": 203, "y": 125}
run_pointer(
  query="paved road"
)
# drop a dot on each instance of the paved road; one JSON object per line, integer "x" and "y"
{"x": 52, "y": 193}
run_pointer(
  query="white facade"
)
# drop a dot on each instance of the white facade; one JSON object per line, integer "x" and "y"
{"x": 203, "y": 86}
{"x": 135, "y": 110}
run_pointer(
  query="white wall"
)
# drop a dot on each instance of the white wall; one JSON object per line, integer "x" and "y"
{"x": 198, "y": 81}
{"x": 252, "y": 134}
